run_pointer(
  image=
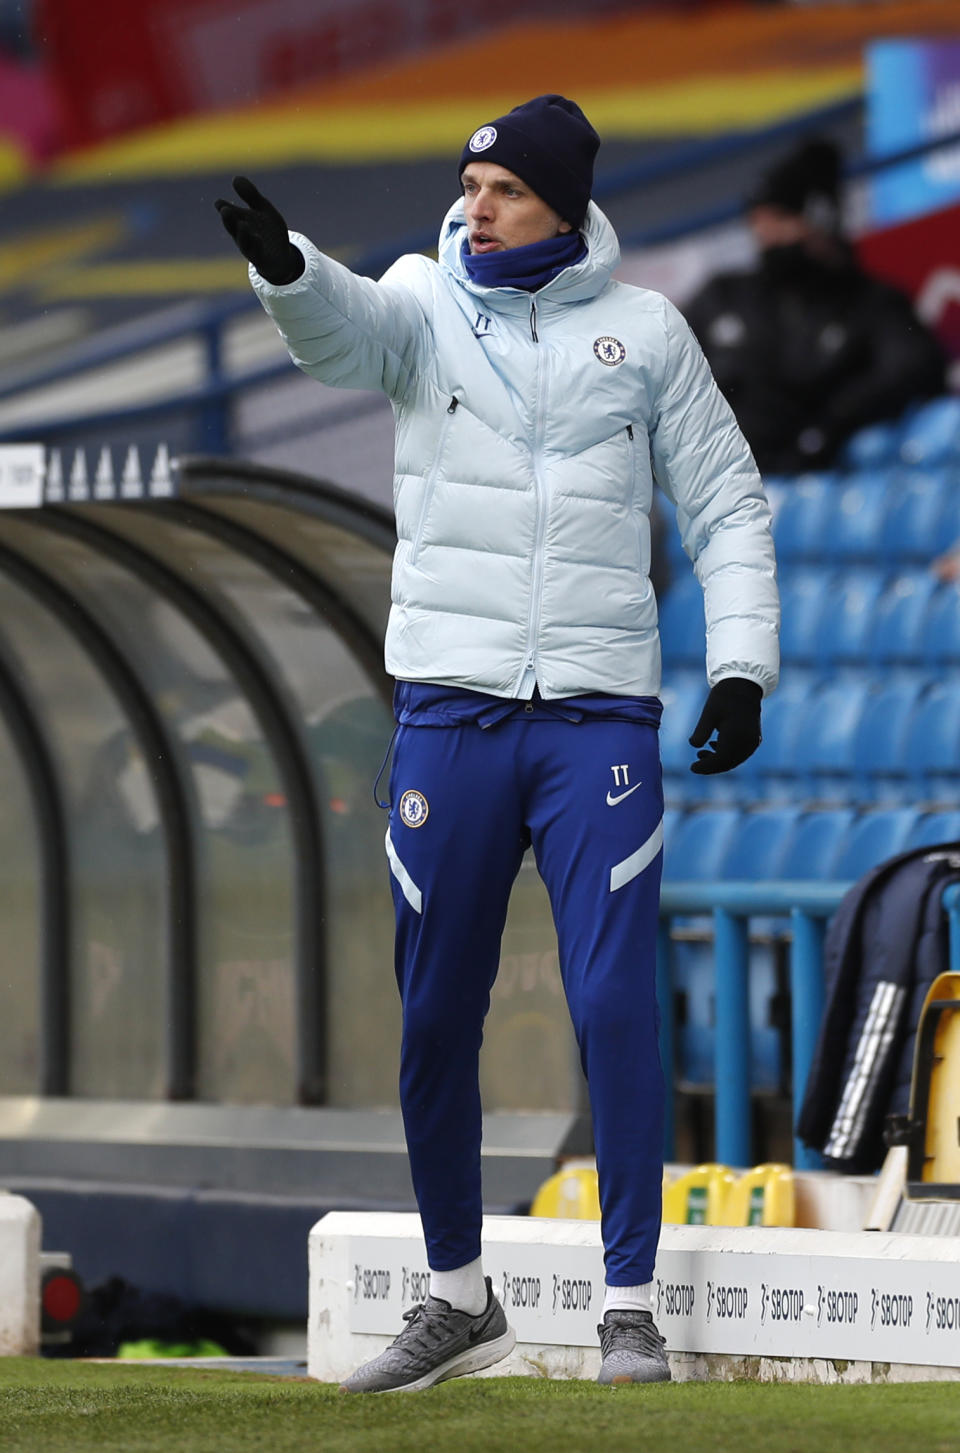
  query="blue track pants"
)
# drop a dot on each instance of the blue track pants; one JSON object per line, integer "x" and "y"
{"x": 466, "y": 802}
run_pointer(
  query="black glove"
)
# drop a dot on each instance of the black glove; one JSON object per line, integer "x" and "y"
{"x": 732, "y": 710}
{"x": 261, "y": 234}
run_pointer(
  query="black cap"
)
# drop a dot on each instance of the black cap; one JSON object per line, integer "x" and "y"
{"x": 806, "y": 182}
{"x": 549, "y": 144}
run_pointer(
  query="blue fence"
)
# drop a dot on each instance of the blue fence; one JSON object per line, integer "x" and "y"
{"x": 731, "y": 906}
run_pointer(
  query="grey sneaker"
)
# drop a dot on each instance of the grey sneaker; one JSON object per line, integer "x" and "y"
{"x": 632, "y": 1349}
{"x": 437, "y": 1342}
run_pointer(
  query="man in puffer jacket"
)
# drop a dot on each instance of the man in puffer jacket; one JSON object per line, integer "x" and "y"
{"x": 535, "y": 401}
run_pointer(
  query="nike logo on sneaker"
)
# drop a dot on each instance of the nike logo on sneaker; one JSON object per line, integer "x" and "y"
{"x": 612, "y": 801}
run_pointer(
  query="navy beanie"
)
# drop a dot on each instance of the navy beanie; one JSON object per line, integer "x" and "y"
{"x": 549, "y": 144}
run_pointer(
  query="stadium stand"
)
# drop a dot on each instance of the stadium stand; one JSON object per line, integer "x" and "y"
{"x": 861, "y": 752}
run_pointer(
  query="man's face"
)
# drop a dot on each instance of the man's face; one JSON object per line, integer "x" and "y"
{"x": 774, "y": 227}
{"x": 502, "y": 211}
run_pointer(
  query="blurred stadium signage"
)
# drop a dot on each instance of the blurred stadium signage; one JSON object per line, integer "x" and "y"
{"x": 21, "y": 476}
{"x": 913, "y": 96}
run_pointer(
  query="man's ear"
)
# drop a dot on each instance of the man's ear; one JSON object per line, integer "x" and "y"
{"x": 564, "y": 227}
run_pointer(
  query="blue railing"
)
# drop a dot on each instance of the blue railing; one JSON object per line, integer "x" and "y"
{"x": 731, "y": 907}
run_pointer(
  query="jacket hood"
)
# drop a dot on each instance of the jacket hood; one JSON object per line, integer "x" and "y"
{"x": 583, "y": 280}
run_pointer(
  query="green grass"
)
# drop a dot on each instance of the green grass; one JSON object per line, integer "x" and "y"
{"x": 70, "y": 1407}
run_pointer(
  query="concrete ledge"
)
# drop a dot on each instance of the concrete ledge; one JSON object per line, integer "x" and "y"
{"x": 19, "y": 1277}
{"x": 757, "y": 1302}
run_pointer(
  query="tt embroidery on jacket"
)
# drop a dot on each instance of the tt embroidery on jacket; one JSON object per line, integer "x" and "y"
{"x": 483, "y": 326}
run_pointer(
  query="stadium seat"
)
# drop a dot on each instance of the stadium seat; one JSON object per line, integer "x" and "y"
{"x": 773, "y": 767}
{"x": 941, "y": 627}
{"x": 805, "y": 594}
{"x": 700, "y": 844}
{"x": 918, "y": 523}
{"x": 825, "y": 743}
{"x": 759, "y": 844}
{"x": 683, "y": 695}
{"x": 697, "y": 1197}
{"x": 846, "y": 625}
{"x": 932, "y": 743}
{"x": 931, "y": 432}
{"x": 762, "y": 1196}
{"x": 933, "y": 828}
{"x": 816, "y": 843}
{"x": 682, "y": 630}
{"x": 570, "y": 1194}
{"x": 874, "y": 445}
{"x": 854, "y": 518}
{"x": 874, "y": 838}
{"x": 804, "y": 517}
{"x": 899, "y": 632}
{"x": 880, "y": 767}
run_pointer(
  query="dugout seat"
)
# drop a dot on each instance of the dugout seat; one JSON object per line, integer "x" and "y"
{"x": 762, "y": 1196}
{"x": 846, "y": 624}
{"x": 570, "y": 1193}
{"x": 697, "y": 1197}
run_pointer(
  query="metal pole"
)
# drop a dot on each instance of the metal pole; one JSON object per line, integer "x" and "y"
{"x": 732, "y": 1054}
{"x": 807, "y": 996}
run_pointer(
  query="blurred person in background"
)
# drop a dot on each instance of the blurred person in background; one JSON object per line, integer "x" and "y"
{"x": 535, "y": 400}
{"x": 807, "y": 347}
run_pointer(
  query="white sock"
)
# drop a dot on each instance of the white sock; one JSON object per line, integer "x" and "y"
{"x": 628, "y": 1299}
{"x": 464, "y": 1288}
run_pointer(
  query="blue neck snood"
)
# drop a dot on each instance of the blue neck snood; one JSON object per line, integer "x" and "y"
{"x": 530, "y": 267}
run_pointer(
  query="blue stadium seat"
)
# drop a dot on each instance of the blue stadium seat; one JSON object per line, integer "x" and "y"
{"x": 682, "y": 630}
{"x": 700, "y": 843}
{"x": 932, "y": 828}
{"x": 931, "y": 433}
{"x": 874, "y": 838}
{"x": 854, "y": 519}
{"x": 876, "y": 444}
{"x": 880, "y": 767}
{"x": 898, "y": 635}
{"x": 824, "y": 749}
{"x": 683, "y": 695}
{"x": 757, "y": 847}
{"x": 805, "y": 594}
{"x": 773, "y": 767}
{"x": 932, "y": 745}
{"x": 918, "y": 522}
{"x": 816, "y": 843}
{"x": 847, "y": 623}
{"x": 941, "y": 627}
{"x": 804, "y": 517}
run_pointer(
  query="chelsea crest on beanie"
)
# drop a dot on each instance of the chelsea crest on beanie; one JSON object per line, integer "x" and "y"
{"x": 549, "y": 144}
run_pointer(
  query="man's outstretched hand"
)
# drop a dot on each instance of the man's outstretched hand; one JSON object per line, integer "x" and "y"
{"x": 732, "y": 710}
{"x": 261, "y": 234}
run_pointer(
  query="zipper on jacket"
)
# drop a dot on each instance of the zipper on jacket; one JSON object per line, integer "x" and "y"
{"x": 536, "y": 584}
{"x": 630, "y": 432}
{"x": 431, "y": 479}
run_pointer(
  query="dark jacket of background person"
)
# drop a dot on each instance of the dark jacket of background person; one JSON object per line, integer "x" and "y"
{"x": 807, "y": 347}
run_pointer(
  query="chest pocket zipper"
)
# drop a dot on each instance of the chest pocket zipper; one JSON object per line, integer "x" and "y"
{"x": 431, "y": 480}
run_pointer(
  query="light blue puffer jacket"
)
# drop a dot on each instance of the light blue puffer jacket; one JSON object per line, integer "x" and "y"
{"x": 529, "y": 428}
